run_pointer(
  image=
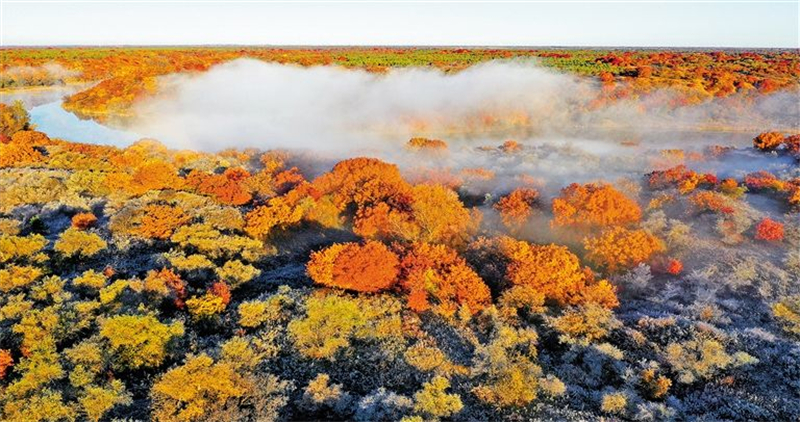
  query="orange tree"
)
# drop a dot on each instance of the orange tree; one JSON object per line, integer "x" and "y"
{"x": 619, "y": 248}
{"x": 594, "y": 206}
{"x": 516, "y": 207}
{"x": 434, "y": 276}
{"x": 370, "y": 267}
{"x": 551, "y": 270}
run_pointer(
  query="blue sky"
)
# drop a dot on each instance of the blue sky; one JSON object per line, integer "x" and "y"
{"x": 596, "y": 23}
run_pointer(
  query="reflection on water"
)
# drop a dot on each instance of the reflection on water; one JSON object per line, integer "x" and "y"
{"x": 37, "y": 96}
{"x": 44, "y": 106}
{"x": 56, "y": 122}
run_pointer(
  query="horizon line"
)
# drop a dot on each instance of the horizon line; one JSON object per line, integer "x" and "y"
{"x": 415, "y": 46}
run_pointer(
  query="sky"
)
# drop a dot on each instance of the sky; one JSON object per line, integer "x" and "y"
{"x": 572, "y": 24}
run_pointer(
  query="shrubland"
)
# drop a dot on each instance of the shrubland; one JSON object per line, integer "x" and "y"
{"x": 152, "y": 284}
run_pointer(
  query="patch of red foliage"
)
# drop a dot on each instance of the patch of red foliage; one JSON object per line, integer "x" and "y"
{"x": 769, "y": 230}
{"x": 221, "y": 290}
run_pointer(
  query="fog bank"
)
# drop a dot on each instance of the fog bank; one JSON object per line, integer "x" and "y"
{"x": 249, "y": 103}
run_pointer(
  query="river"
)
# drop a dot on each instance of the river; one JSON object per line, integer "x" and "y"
{"x": 44, "y": 106}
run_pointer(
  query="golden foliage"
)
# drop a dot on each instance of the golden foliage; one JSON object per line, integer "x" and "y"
{"x": 254, "y": 313}
{"x": 44, "y": 405}
{"x": 655, "y": 386}
{"x": 768, "y": 141}
{"x": 440, "y": 217}
{"x": 364, "y": 182}
{"x": 370, "y": 267}
{"x": 327, "y": 327}
{"x": 434, "y": 276}
{"x": 593, "y": 206}
{"x": 139, "y": 341}
{"x": 188, "y": 263}
{"x": 516, "y": 207}
{"x": 618, "y": 248}
{"x": 202, "y": 389}
{"x": 614, "y": 402}
{"x": 585, "y": 324}
{"x": 237, "y": 273}
{"x": 556, "y": 272}
{"x": 206, "y": 306}
{"x": 332, "y": 321}
{"x": 16, "y": 277}
{"x": 214, "y": 244}
{"x": 24, "y": 149}
{"x": 153, "y": 175}
{"x": 160, "y": 221}
{"x": 20, "y": 247}
{"x": 97, "y": 401}
{"x": 91, "y": 279}
{"x": 787, "y": 312}
{"x": 74, "y": 242}
{"x": 278, "y": 213}
{"x": 429, "y": 358}
{"x": 320, "y": 393}
{"x": 13, "y": 118}
{"x": 433, "y": 401}
{"x": 701, "y": 358}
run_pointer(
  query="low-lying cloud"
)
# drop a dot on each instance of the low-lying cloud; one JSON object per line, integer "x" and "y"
{"x": 249, "y": 103}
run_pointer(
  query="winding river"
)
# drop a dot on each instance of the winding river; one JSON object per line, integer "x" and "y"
{"x": 44, "y": 106}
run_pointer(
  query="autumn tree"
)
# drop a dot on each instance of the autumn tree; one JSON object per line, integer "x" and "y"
{"x": 159, "y": 221}
{"x": 6, "y": 362}
{"x": 516, "y": 208}
{"x": 769, "y": 230}
{"x": 367, "y": 189}
{"x": 594, "y": 206}
{"x": 77, "y": 243}
{"x": 550, "y": 270}
{"x": 205, "y": 389}
{"x": 228, "y": 188}
{"x": 787, "y": 312}
{"x": 153, "y": 174}
{"x": 370, "y": 267}
{"x": 425, "y": 144}
{"x": 13, "y": 118}
{"x": 435, "y": 277}
{"x": 768, "y": 141}
{"x": 585, "y": 324}
{"x": 619, "y": 248}
{"x": 763, "y": 180}
{"x": 434, "y": 402}
{"x": 83, "y": 220}
{"x": 702, "y": 357}
{"x": 680, "y": 177}
{"x": 331, "y": 322}
{"x": 365, "y": 182}
{"x": 236, "y": 273}
{"x": 23, "y": 149}
{"x": 278, "y": 213}
{"x": 505, "y": 367}
{"x": 440, "y": 217}
{"x": 213, "y": 303}
{"x": 139, "y": 341}
{"x": 165, "y": 283}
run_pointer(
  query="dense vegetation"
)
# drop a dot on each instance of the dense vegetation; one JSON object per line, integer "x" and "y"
{"x": 149, "y": 283}
{"x": 119, "y": 77}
